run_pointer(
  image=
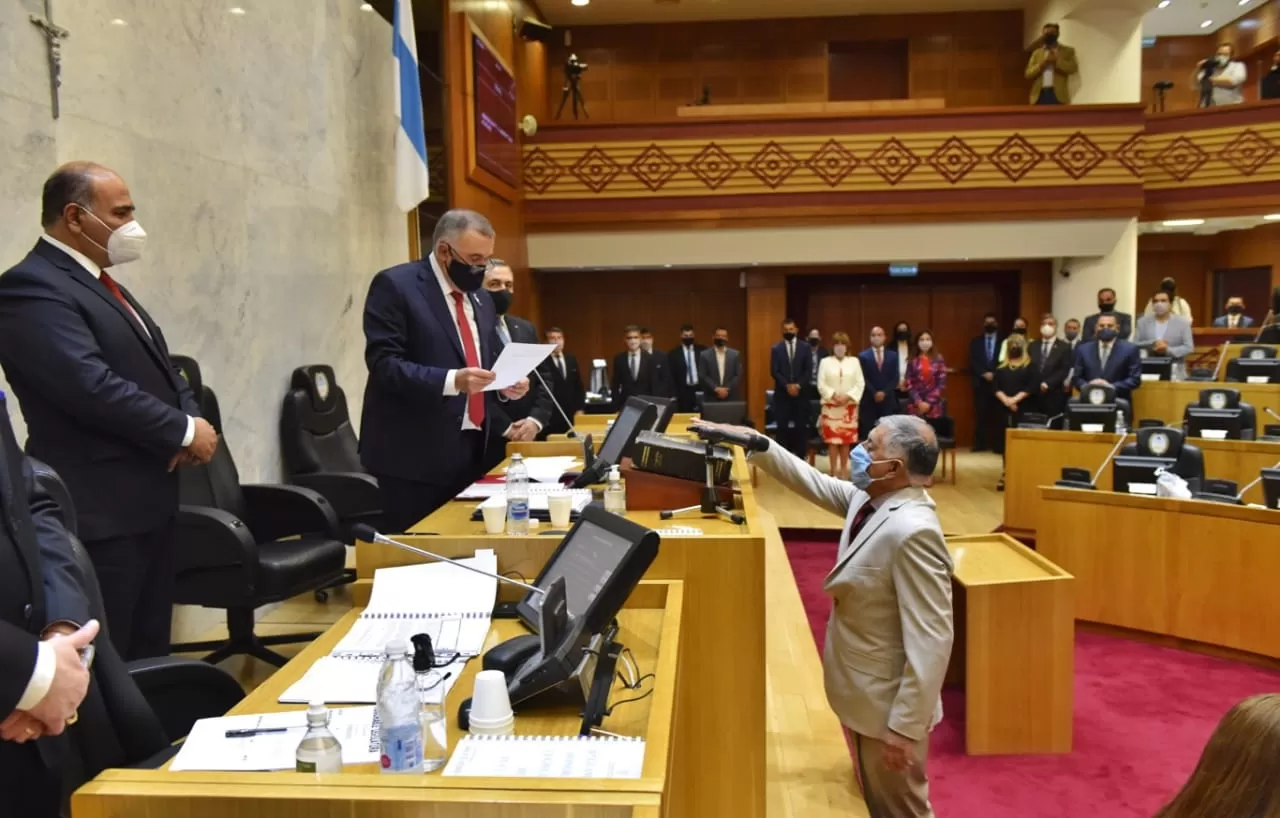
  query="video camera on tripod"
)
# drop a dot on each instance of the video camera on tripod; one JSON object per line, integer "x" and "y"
{"x": 574, "y": 68}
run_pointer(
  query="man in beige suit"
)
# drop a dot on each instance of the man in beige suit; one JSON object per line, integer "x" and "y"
{"x": 890, "y": 632}
{"x": 1050, "y": 65}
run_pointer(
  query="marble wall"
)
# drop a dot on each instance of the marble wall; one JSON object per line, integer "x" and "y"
{"x": 259, "y": 149}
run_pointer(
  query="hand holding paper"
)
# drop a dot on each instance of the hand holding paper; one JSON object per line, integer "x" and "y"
{"x": 515, "y": 363}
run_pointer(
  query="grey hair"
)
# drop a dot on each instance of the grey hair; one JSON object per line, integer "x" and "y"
{"x": 912, "y": 440}
{"x": 456, "y": 222}
{"x": 494, "y": 263}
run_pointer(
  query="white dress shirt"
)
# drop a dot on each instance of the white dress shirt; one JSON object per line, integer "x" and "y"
{"x": 904, "y": 357}
{"x": 690, "y": 367}
{"x": 720, "y": 353}
{"x": 469, "y": 310}
{"x": 96, "y": 271}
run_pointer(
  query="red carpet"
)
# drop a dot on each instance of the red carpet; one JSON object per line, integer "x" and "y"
{"x": 1142, "y": 716}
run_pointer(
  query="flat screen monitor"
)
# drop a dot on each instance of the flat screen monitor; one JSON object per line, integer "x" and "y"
{"x": 1214, "y": 424}
{"x": 1157, "y": 369}
{"x": 1089, "y": 417}
{"x": 636, "y": 416}
{"x": 1271, "y": 488}
{"x": 601, "y": 559}
{"x": 666, "y": 408}
{"x": 1258, "y": 370}
{"x": 497, "y": 150}
{"x": 1137, "y": 475}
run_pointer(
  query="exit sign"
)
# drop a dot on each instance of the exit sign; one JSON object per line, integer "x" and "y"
{"x": 904, "y": 269}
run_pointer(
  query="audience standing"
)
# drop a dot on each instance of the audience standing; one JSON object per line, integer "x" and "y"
{"x": 1233, "y": 317}
{"x": 1177, "y": 304}
{"x": 926, "y": 379}
{"x": 984, "y": 353}
{"x": 840, "y": 385}
{"x": 790, "y": 363}
{"x": 1051, "y": 358}
{"x": 902, "y": 345}
{"x": 684, "y": 369}
{"x": 720, "y": 370}
{"x": 633, "y": 371}
{"x": 880, "y": 371}
{"x": 1108, "y": 360}
{"x": 565, "y": 382}
{"x": 1107, "y": 306}
{"x": 1163, "y": 333}
{"x": 1015, "y": 383}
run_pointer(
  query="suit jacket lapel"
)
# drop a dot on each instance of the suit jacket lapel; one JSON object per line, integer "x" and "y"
{"x": 877, "y": 519}
{"x": 83, "y": 277}
{"x": 442, "y": 309}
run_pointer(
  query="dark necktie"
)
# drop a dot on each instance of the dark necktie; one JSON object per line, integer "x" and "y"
{"x": 691, "y": 370}
{"x": 475, "y": 400}
{"x": 860, "y": 518}
{"x": 564, "y": 376}
{"x": 114, "y": 289}
{"x": 991, "y": 347}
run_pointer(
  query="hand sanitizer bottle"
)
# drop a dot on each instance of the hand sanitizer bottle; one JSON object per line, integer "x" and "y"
{"x": 615, "y": 494}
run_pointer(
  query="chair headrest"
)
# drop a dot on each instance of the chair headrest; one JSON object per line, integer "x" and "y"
{"x": 1162, "y": 441}
{"x": 1098, "y": 394}
{"x": 1257, "y": 351}
{"x": 320, "y": 384}
{"x": 1220, "y": 397}
{"x": 190, "y": 372}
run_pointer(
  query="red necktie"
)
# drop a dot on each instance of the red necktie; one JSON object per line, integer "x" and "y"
{"x": 114, "y": 289}
{"x": 860, "y": 518}
{"x": 475, "y": 400}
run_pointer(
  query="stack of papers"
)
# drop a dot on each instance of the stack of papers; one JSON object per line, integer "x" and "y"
{"x": 208, "y": 748}
{"x": 549, "y": 469}
{"x": 354, "y": 680}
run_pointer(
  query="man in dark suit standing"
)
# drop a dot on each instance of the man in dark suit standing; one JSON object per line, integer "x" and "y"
{"x": 104, "y": 405}
{"x": 565, "y": 382}
{"x": 663, "y": 383}
{"x": 684, "y": 369}
{"x": 984, "y": 358}
{"x": 1107, "y": 306}
{"x": 818, "y": 351}
{"x": 720, "y": 371}
{"x": 532, "y": 413}
{"x": 790, "y": 363}
{"x": 880, "y": 371}
{"x": 1051, "y": 357}
{"x": 633, "y": 372}
{"x": 430, "y": 343}
{"x": 1109, "y": 360}
{"x": 43, "y": 681}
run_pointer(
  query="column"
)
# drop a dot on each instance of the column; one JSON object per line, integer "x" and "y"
{"x": 1076, "y": 281}
{"x": 1107, "y": 38}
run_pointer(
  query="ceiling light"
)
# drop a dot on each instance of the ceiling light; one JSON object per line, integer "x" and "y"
{"x": 236, "y": 10}
{"x": 1164, "y": 4}
{"x": 580, "y": 2}
{"x": 1243, "y": 3}
{"x": 366, "y": 6}
{"x": 1273, "y": 217}
{"x": 1183, "y": 222}
{"x": 1206, "y": 24}
{"x": 118, "y": 22}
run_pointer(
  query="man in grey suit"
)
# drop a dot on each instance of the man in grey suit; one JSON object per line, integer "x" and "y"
{"x": 720, "y": 370}
{"x": 890, "y": 631}
{"x": 1163, "y": 333}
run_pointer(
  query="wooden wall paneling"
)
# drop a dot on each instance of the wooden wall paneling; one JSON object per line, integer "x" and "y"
{"x": 766, "y": 308}
{"x": 1174, "y": 59}
{"x": 868, "y": 70}
{"x": 1259, "y": 247}
{"x": 1035, "y": 294}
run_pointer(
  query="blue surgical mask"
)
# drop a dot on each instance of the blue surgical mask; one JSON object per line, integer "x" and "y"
{"x": 1106, "y": 335}
{"x": 859, "y": 464}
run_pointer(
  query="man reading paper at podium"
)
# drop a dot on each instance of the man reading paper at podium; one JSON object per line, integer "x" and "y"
{"x": 890, "y": 631}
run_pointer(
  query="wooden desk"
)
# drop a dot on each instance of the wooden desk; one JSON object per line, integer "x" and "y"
{"x": 1168, "y": 399}
{"x": 1035, "y": 457}
{"x": 721, "y": 745}
{"x": 1015, "y": 643}
{"x": 596, "y": 423}
{"x": 650, "y": 625}
{"x": 783, "y": 110}
{"x": 1203, "y": 572}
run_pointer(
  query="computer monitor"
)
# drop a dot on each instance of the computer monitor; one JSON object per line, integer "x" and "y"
{"x": 1214, "y": 424}
{"x": 666, "y": 408}
{"x": 1157, "y": 369}
{"x": 636, "y": 416}
{"x": 1137, "y": 475}
{"x": 1258, "y": 370}
{"x": 1271, "y": 488}
{"x": 1090, "y": 417}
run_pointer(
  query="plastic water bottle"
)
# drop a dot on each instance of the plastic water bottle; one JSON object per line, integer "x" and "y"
{"x": 319, "y": 751}
{"x": 399, "y": 729}
{"x": 615, "y": 494}
{"x": 517, "y": 497}
{"x": 1121, "y": 427}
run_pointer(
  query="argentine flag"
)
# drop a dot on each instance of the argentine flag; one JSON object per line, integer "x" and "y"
{"x": 411, "y": 142}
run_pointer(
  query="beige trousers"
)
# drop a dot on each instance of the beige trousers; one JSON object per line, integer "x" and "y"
{"x": 890, "y": 793}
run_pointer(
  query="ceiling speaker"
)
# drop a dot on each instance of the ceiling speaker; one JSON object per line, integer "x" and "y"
{"x": 531, "y": 29}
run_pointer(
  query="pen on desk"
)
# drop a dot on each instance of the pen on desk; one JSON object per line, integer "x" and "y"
{"x": 255, "y": 731}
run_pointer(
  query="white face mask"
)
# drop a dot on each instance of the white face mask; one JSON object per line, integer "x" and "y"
{"x": 925, "y": 346}
{"x": 126, "y": 242}
{"x": 1161, "y": 307}
{"x": 839, "y": 350}
{"x": 1048, "y": 330}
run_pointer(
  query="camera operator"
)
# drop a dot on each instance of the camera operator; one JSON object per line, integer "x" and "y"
{"x": 1220, "y": 78}
{"x": 1050, "y": 64}
{"x": 1271, "y": 82}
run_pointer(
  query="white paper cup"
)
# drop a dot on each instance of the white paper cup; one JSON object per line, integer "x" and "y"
{"x": 503, "y": 727}
{"x": 560, "y": 504}
{"x": 494, "y": 511}
{"x": 490, "y": 704}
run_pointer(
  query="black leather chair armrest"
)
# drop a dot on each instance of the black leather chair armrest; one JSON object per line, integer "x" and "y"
{"x": 278, "y": 511}
{"x": 212, "y": 538}
{"x": 352, "y": 494}
{"x": 181, "y": 691}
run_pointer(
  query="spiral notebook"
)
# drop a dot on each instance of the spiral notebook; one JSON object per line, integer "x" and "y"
{"x": 547, "y": 757}
{"x": 353, "y": 679}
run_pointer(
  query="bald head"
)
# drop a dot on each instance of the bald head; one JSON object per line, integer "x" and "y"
{"x": 83, "y": 203}
{"x": 73, "y": 183}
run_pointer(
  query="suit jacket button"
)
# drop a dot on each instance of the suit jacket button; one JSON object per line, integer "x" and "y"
{"x": 26, "y": 611}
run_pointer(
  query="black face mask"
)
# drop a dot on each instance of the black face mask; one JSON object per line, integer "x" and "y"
{"x": 813, "y": 342}
{"x": 1234, "y": 309}
{"x": 990, "y": 329}
{"x": 687, "y": 341}
{"x": 1015, "y": 353}
{"x": 788, "y": 336}
{"x": 1020, "y": 330}
{"x": 466, "y": 277}
{"x": 720, "y": 342}
{"x": 1105, "y": 308}
{"x": 903, "y": 335}
{"x": 1051, "y": 39}
{"x": 1071, "y": 335}
{"x": 501, "y": 301}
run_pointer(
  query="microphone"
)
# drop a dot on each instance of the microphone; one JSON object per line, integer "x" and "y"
{"x": 572, "y": 431}
{"x": 369, "y": 534}
{"x": 1222, "y": 356}
{"x": 1114, "y": 451}
{"x": 1271, "y": 412}
{"x": 750, "y": 442}
{"x": 1255, "y": 481}
{"x": 1270, "y": 321}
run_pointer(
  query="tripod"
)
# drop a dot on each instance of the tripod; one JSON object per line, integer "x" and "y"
{"x": 571, "y": 88}
{"x": 710, "y": 505}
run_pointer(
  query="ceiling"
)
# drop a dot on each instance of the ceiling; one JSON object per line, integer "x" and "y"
{"x": 1211, "y": 226}
{"x": 1183, "y": 17}
{"x": 1180, "y": 17}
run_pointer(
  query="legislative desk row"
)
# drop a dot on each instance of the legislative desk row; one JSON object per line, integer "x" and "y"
{"x": 737, "y": 724}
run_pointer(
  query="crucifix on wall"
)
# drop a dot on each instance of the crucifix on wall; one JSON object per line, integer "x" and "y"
{"x": 53, "y": 35}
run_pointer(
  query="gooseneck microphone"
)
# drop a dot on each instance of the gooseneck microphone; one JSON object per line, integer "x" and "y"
{"x": 572, "y": 431}
{"x": 369, "y": 534}
{"x": 1271, "y": 412}
{"x": 1110, "y": 457}
{"x": 751, "y": 442}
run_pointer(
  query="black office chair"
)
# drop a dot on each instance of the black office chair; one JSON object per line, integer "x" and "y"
{"x": 733, "y": 412}
{"x": 1200, "y": 373}
{"x": 1255, "y": 351}
{"x": 151, "y": 703}
{"x": 944, "y": 429}
{"x": 1171, "y": 443}
{"x": 1150, "y": 423}
{"x": 243, "y": 546}
{"x": 1270, "y": 433}
{"x": 1220, "y": 397}
{"x": 320, "y": 452}
{"x": 770, "y": 422}
{"x": 814, "y": 444}
{"x": 1105, "y": 394}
